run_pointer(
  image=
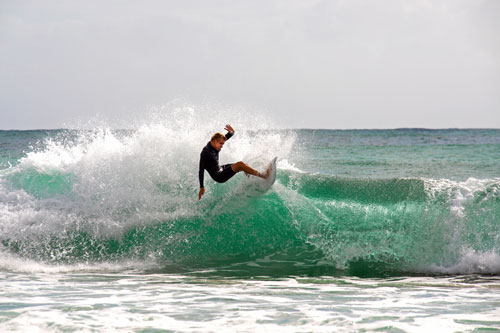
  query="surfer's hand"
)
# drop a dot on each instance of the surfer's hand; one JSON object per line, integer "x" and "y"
{"x": 202, "y": 191}
{"x": 229, "y": 128}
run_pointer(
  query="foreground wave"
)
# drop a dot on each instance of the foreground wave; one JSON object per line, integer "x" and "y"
{"x": 112, "y": 198}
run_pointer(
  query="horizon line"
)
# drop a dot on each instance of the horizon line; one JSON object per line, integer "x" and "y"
{"x": 290, "y": 128}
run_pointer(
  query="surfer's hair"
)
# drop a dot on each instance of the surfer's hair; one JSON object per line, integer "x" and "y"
{"x": 218, "y": 136}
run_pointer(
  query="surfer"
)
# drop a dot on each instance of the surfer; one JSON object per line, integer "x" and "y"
{"x": 209, "y": 160}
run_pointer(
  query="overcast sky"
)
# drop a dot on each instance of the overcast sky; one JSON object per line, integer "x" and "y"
{"x": 310, "y": 63}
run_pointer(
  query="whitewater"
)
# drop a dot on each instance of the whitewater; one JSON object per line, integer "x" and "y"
{"x": 395, "y": 230}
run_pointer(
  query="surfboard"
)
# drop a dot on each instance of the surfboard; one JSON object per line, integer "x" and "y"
{"x": 255, "y": 186}
{"x": 269, "y": 181}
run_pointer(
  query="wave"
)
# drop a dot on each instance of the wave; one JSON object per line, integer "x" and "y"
{"x": 103, "y": 196}
{"x": 400, "y": 225}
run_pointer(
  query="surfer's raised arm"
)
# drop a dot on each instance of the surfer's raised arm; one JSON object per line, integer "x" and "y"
{"x": 229, "y": 130}
{"x": 209, "y": 160}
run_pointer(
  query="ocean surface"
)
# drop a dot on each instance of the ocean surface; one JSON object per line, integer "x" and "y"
{"x": 364, "y": 230}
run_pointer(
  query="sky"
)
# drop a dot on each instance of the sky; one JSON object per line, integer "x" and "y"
{"x": 309, "y": 64}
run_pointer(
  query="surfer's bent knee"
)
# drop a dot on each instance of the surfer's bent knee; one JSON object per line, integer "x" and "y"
{"x": 238, "y": 166}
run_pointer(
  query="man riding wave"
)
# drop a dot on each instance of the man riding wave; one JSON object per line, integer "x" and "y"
{"x": 209, "y": 160}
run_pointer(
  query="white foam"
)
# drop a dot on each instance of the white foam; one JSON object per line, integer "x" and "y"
{"x": 471, "y": 262}
{"x": 284, "y": 164}
{"x": 13, "y": 263}
{"x": 460, "y": 192}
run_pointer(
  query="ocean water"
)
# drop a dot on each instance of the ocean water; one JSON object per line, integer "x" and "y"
{"x": 364, "y": 230}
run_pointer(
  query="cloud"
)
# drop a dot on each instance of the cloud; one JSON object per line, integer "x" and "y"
{"x": 315, "y": 63}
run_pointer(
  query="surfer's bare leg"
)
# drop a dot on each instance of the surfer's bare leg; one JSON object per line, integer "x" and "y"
{"x": 242, "y": 166}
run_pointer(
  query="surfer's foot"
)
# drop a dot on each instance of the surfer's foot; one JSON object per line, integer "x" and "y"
{"x": 266, "y": 174}
{"x": 241, "y": 166}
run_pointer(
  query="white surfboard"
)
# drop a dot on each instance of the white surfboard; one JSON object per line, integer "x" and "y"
{"x": 269, "y": 181}
{"x": 253, "y": 186}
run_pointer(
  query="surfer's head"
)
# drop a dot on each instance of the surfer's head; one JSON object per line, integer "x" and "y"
{"x": 217, "y": 141}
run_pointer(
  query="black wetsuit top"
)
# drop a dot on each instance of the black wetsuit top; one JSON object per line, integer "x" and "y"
{"x": 209, "y": 160}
